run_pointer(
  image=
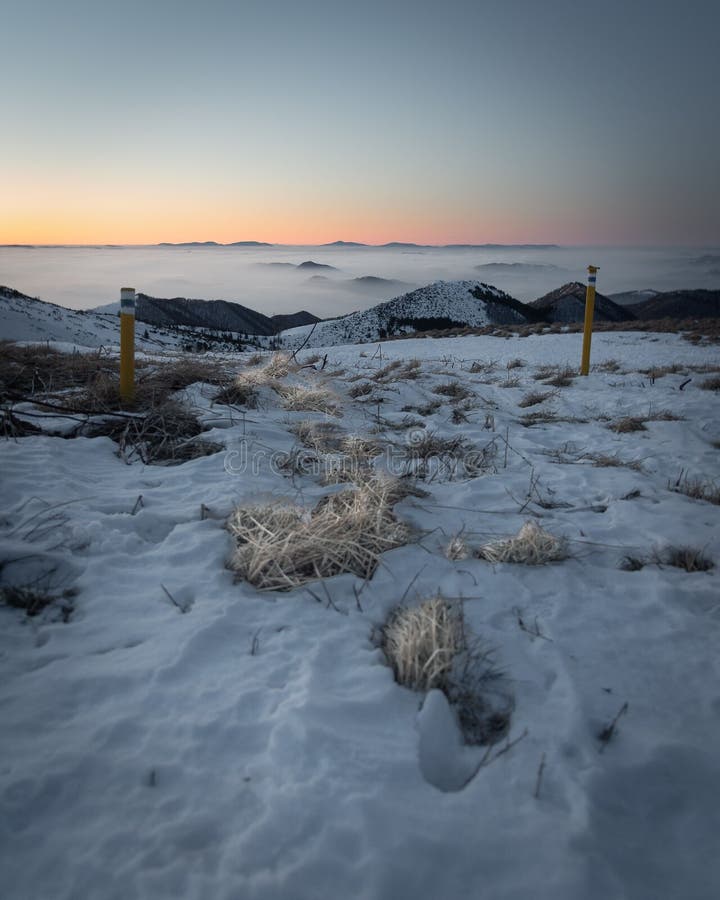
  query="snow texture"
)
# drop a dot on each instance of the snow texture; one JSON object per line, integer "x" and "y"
{"x": 186, "y": 736}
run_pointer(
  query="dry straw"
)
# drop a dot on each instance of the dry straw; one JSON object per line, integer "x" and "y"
{"x": 280, "y": 548}
{"x": 532, "y": 546}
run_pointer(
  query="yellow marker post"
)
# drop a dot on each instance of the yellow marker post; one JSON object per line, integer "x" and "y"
{"x": 127, "y": 344}
{"x": 589, "y": 312}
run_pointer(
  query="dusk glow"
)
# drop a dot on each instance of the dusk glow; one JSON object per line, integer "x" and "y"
{"x": 466, "y": 122}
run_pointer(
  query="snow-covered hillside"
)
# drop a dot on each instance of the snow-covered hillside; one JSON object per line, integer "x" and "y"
{"x": 170, "y": 731}
{"x": 24, "y": 318}
{"x": 442, "y": 304}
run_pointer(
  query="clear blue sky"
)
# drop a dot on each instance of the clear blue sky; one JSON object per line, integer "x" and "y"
{"x": 303, "y": 122}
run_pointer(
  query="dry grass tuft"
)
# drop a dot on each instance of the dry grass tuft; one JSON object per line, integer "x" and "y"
{"x": 532, "y": 546}
{"x": 322, "y": 437}
{"x": 564, "y": 377}
{"x": 362, "y": 389}
{"x": 355, "y": 462}
{"x": 430, "y": 457}
{"x": 309, "y": 399}
{"x": 457, "y": 549}
{"x": 454, "y": 390}
{"x": 711, "y": 384}
{"x": 458, "y": 416}
{"x": 610, "y": 366}
{"x": 390, "y": 369}
{"x": 429, "y": 647}
{"x": 604, "y": 460}
{"x": 281, "y": 548}
{"x": 664, "y": 415}
{"x": 32, "y": 600}
{"x": 535, "y": 397}
{"x": 484, "y": 368}
{"x": 421, "y": 644}
{"x": 240, "y": 392}
{"x": 698, "y": 489}
{"x": 169, "y": 434}
{"x": 691, "y": 559}
{"x": 628, "y": 424}
{"x": 516, "y": 364}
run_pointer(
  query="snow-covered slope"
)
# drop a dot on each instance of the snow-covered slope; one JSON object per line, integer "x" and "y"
{"x": 184, "y": 735}
{"x": 24, "y": 318}
{"x": 443, "y": 304}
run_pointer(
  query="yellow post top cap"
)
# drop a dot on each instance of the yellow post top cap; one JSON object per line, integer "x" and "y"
{"x": 593, "y": 269}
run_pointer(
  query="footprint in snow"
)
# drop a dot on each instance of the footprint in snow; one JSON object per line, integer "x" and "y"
{"x": 445, "y": 762}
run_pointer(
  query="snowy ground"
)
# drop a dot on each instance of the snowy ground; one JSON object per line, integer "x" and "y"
{"x": 257, "y": 746}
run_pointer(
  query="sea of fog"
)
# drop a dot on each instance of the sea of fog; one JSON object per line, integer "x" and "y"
{"x": 266, "y": 278}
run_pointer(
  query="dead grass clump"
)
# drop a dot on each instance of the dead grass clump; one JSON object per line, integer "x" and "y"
{"x": 664, "y": 415}
{"x": 484, "y": 368}
{"x": 176, "y": 374}
{"x": 421, "y": 644}
{"x": 362, "y": 389}
{"x": 516, "y": 364}
{"x": 535, "y": 397}
{"x": 279, "y": 365}
{"x": 610, "y": 366}
{"x": 539, "y": 418}
{"x": 532, "y": 546}
{"x": 309, "y": 399}
{"x": 33, "y": 601}
{"x": 697, "y": 488}
{"x": 510, "y": 381}
{"x": 255, "y": 359}
{"x": 457, "y": 549}
{"x": 691, "y": 559}
{"x": 322, "y": 437}
{"x": 711, "y": 384}
{"x": 604, "y": 460}
{"x": 430, "y": 457}
{"x": 425, "y": 409}
{"x": 628, "y": 424}
{"x": 430, "y": 647}
{"x": 169, "y": 434}
{"x": 239, "y": 392}
{"x": 564, "y": 377}
{"x": 281, "y": 548}
{"x": 355, "y": 462}
{"x": 387, "y": 370}
{"x": 458, "y": 416}
{"x": 411, "y": 370}
{"x": 454, "y": 390}
{"x": 40, "y": 369}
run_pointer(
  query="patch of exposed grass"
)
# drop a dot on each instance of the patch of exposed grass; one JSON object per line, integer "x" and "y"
{"x": 390, "y": 369}
{"x": 604, "y": 460}
{"x": 628, "y": 424}
{"x": 168, "y": 434}
{"x": 281, "y": 548}
{"x": 430, "y": 457}
{"x": 33, "y": 600}
{"x": 361, "y": 389}
{"x": 240, "y": 392}
{"x": 299, "y": 398}
{"x": 323, "y": 437}
{"x": 430, "y": 647}
{"x": 532, "y": 546}
{"x": 454, "y": 390}
{"x": 691, "y": 559}
{"x": 711, "y": 384}
{"x": 697, "y": 488}
{"x": 535, "y": 397}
